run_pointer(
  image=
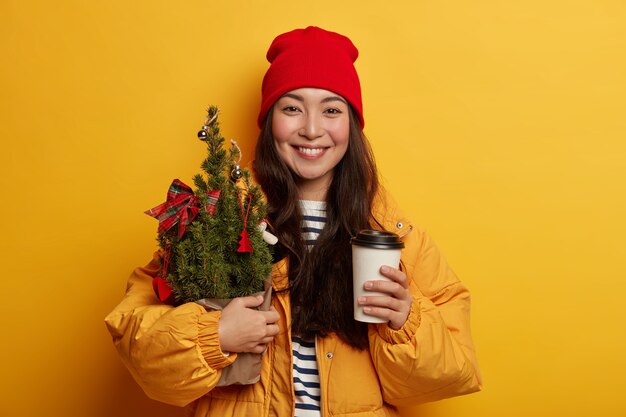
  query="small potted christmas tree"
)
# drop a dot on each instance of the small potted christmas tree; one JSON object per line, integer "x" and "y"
{"x": 213, "y": 240}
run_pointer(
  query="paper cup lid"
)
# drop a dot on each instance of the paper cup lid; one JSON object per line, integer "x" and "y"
{"x": 377, "y": 239}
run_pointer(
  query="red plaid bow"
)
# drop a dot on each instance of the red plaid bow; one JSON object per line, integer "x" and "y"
{"x": 181, "y": 207}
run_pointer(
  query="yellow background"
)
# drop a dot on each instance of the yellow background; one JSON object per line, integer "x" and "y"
{"x": 499, "y": 125}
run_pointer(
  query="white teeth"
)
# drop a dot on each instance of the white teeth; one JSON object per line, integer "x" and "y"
{"x": 309, "y": 151}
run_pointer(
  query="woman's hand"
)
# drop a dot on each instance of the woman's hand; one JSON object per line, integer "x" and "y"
{"x": 396, "y": 305}
{"x": 243, "y": 329}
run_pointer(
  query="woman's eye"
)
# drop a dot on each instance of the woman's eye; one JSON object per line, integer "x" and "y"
{"x": 333, "y": 111}
{"x": 290, "y": 109}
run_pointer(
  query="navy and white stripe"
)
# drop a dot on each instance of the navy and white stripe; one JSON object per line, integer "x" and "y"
{"x": 306, "y": 379}
{"x": 314, "y": 219}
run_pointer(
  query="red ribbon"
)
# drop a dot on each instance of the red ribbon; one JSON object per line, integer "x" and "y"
{"x": 181, "y": 207}
{"x": 160, "y": 285}
{"x": 162, "y": 290}
{"x": 213, "y": 196}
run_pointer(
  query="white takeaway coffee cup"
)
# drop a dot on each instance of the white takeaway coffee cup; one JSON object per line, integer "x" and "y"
{"x": 372, "y": 249}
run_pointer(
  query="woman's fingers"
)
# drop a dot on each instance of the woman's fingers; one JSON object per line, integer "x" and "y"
{"x": 260, "y": 348}
{"x": 242, "y": 328}
{"x": 395, "y": 302}
{"x": 271, "y": 316}
{"x": 380, "y": 312}
{"x": 382, "y": 301}
{"x": 250, "y": 301}
{"x": 392, "y": 288}
{"x": 381, "y": 307}
{"x": 272, "y": 330}
{"x": 395, "y": 275}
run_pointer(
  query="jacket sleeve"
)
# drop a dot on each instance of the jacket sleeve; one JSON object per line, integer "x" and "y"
{"x": 172, "y": 352}
{"x": 432, "y": 356}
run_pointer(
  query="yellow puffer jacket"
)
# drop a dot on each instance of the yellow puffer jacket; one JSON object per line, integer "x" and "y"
{"x": 174, "y": 354}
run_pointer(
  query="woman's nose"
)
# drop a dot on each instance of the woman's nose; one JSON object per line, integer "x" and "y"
{"x": 313, "y": 127}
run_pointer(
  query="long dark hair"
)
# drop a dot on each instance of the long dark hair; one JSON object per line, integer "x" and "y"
{"x": 320, "y": 280}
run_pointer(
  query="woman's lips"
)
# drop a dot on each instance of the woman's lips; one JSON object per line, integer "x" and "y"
{"x": 310, "y": 153}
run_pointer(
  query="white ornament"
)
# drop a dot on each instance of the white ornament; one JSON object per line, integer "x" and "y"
{"x": 269, "y": 238}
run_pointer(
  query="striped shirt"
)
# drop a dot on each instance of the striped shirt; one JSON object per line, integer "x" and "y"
{"x": 314, "y": 219}
{"x": 306, "y": 379}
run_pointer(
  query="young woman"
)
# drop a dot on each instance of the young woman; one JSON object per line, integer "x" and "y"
{"x": 315, "y": 166}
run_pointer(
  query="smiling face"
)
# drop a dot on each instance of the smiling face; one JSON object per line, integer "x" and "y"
{"x": 311, "y": 129}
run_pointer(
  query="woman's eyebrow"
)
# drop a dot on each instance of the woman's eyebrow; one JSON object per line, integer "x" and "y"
{"x": 334, "y": 98}
{"x": 294, "y": 96}
{"x": 325, "y": 100}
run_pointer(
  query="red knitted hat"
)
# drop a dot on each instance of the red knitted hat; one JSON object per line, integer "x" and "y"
{"x": 311, "y": 57}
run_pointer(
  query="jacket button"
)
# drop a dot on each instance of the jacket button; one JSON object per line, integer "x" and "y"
{"x": 329, "y": 355}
